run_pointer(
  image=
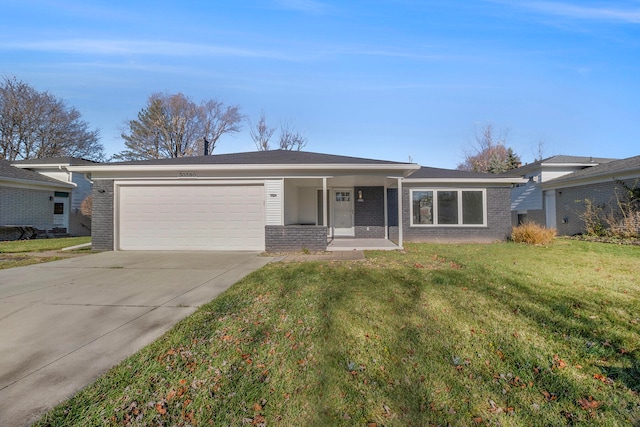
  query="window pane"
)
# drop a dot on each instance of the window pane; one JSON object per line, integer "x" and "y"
{"x": 472, "y": 207}
{"x": 447, "y": 207}
{"x": 58, "y": 208}
{"x": 423, "y": 207}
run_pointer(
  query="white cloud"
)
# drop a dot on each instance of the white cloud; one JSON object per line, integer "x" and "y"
{"x": 573, "y": 11}
{"x": 127, "y": 47}
{"x": 307, "y": 6}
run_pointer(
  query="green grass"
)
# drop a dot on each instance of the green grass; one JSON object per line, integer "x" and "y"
{"x": 41, "y": 245}
{"x": 14, "y": 253}
{"x": 501, "y": 334}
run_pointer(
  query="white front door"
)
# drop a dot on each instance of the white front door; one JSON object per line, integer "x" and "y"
{"x": 61, "y": 212}
{"x": 343, "y": 212}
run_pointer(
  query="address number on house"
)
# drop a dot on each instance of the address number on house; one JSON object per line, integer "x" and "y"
{"x": 187, "y": 174}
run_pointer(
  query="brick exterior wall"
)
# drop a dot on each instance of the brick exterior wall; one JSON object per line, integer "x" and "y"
{"x": 23, "y": 206}
{"x": 295, "y": 238}
{"x": 498, "y": 221}
{"x": 392, "y": 213}
{"x": 570, "y": 203}
{"x": 102, "y": 215}
{"x": 369, "y": 214}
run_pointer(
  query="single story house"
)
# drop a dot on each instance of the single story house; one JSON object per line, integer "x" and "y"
{"x": 29, "y": 202}
{"x": 283, "y": 200}
{"x": 529, "y": 202}
{"x": 600, "y": 185}
{"x": 69, "y": 217}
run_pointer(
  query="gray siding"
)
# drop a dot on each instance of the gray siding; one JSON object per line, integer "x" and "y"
{"x": 295, "y": 238}
{"x": 102, "y": 215}
{"x": 498, "y": 221}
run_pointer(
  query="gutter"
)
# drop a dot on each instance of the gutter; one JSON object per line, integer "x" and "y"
{"x": 58, "y": 184}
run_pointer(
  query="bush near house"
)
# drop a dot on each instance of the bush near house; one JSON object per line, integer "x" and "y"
{"x": 619, "y": 220}
{"x": 533, "y": 234}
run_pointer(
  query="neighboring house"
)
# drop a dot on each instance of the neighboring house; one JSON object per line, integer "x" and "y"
{"x": 28, "y": 202}
{"x": 71, "y": 218}
{"x": 529, "y": 202}
{"x": 599, "y": 184}
{"x": 288, "y": 200}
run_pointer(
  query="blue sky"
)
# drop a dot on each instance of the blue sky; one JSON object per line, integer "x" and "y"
{"x": 376, "y": 78}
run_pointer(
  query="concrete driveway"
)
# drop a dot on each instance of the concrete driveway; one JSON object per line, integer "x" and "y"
{"x": 64, "y": 323}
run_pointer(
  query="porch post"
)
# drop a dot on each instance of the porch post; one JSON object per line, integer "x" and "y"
{"x": 325, "y": 215}
{"x": 386, "y": 214}
{"x": 400, "y": 212}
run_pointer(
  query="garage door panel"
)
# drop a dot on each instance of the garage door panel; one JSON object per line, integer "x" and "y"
{"x": 191, "y": 217}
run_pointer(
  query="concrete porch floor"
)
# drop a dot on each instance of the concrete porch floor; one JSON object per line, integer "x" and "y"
{"x": 352, "y": 244}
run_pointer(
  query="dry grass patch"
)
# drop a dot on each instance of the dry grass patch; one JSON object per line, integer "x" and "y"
{"x": 533, "y": 234}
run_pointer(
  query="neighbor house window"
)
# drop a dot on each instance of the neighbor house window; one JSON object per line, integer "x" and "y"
{"x": 431, "y": 207}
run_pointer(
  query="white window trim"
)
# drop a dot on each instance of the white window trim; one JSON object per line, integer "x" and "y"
{"x": 435, "y": 207}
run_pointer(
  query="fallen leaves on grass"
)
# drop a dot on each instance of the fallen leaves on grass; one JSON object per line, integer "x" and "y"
{"x": 603, "y": 378}
{"x": 589, "y": 403}
{"x": 558, "y": 363}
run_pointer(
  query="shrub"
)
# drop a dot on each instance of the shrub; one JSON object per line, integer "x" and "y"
{"x": 533, "y": 234}
{"x": 593, "y": 218}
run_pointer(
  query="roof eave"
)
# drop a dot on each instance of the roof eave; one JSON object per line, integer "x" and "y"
{"x": 466, "y": 180}
{"x": 39, "y": 183}
{"x": 39, "y": 165}
{"x": 572, "y": 182}
{"x": 408, "y": 168}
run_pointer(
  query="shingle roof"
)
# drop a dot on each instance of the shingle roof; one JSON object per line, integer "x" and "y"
{"x": 13, "y": 173}
{"x": 73, "y": 161}
{"x": 574, "y": 159}
{"x": 276, "y": 157}
{"x": 623, "y": 166}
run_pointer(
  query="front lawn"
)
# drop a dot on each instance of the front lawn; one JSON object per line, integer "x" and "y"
{"x": 16, "y": 253}
{"x": 500, "y": 334}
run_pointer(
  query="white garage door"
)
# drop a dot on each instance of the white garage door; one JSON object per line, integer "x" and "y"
{"x": 191, "y": 217}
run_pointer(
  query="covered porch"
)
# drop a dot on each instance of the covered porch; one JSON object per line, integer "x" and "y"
{"x": 337, "y": 213}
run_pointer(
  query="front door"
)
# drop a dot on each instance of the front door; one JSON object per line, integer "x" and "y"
{"x": 343, "y": 213}
{"x": 61, "y": 212}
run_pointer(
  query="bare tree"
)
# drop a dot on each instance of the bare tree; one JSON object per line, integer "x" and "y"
{"x": 540, "y": 149}
{"x": 490, "y": 153}
{"x": 174, "y": 126}
{"x": 36, "y": 124}
{"x": 291, "y": 139}
{"x": 261, "y": 133}
{"x": 218, "y": 120}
